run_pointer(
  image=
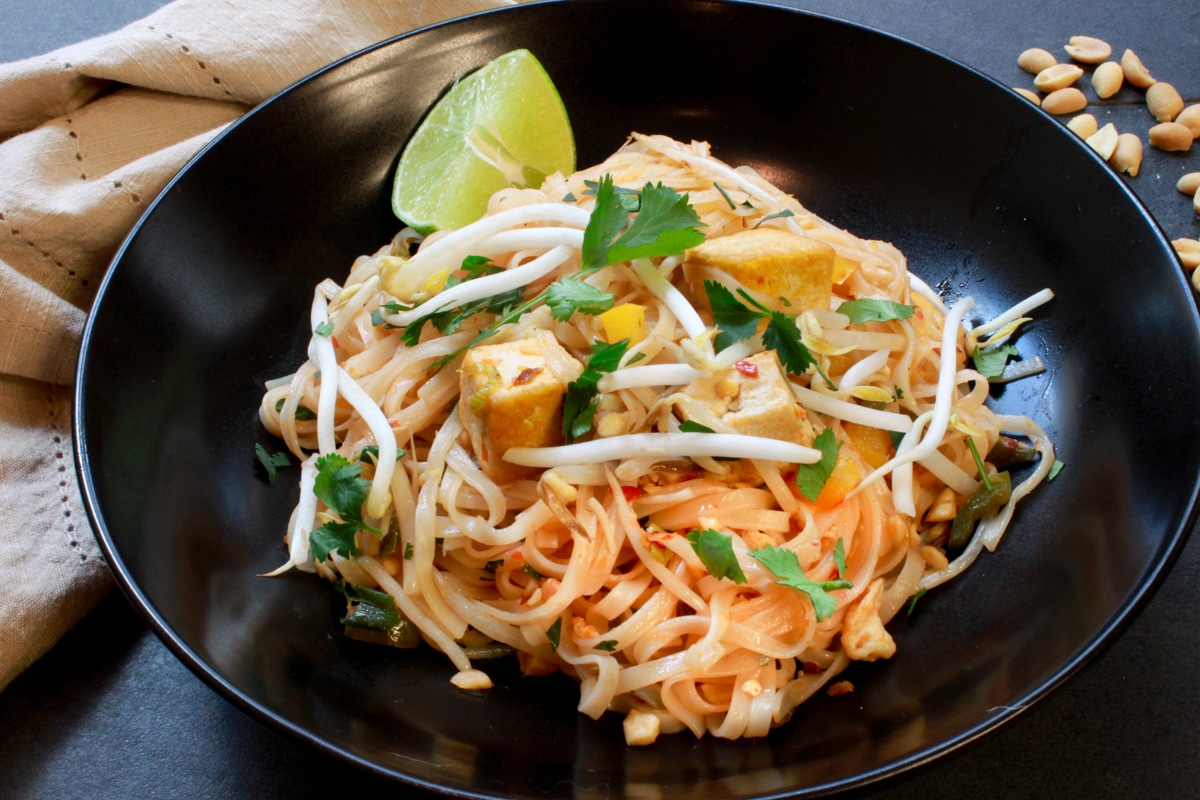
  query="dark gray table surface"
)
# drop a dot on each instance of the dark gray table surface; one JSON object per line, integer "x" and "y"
{"x": 110, "y": 712}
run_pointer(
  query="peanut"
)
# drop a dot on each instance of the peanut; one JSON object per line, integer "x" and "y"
{"x": 1190, "y": 117}
{"x": 1088, "y": 49}
{"x": 1189, "y": 183}
{"x": 1083, "y": 125}
{"x": 1127, "y": 157}
{"x": 1170, "y": 136}
{"x": 1107, "y": 79}
{"x": 1104, "y": 141}
{"x": 1196, "y": 202}
{"x": 1028, "y": 95}
{"x": 1060, "y": 76}
{"x": 1135, "y": 71}
{"x": 1035, "y": 59}
{"x": 1065, "y": 101}
{"x": 1196, "y": 279}
{"x": 1164, "y": 102}
{"x": 1188, "y": 251}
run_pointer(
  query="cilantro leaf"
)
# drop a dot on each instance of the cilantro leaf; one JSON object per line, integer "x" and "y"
{"x": 811, "y": 478}
{"x": 569, "y": 295}
{"x": 990, "y": 361}
{"x": 870, "y": 310}
{"x": 324, "y": 329}
{"x": 787, "y": 570}
{"x": 271, "y": 461}
{"x": 342, "y": 488}
{"x": 554, "y": 633}
{"x": 691, "y": 426}
{"x": 734, "y": 321}
{"x": 334, "y": 537}
{"x": 533, "y": 573}
{"x": 839, "y": 556}
{"x": 607, "y": 219}
{"x": 783, "y": 337}
{"x": 665, "y": 225}
{"x": 608, "y": 645}
{"x": 371, "y": 452}
{"x": 715, "y": 550}
{"x": 303, "y": 413}
{"x": 582, "y": 397}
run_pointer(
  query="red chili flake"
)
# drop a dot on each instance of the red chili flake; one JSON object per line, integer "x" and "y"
{"x": 746, "y": 368}
{"x": 526, "y": 376}
{"x": 812, "y": 668}
{"x": 631, "y": 492}
{"x": 334, "y": 340}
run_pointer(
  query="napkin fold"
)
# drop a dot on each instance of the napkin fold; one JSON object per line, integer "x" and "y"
{"x": 89, "y": 135}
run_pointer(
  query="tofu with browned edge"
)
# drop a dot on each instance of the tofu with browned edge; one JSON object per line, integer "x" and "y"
{"x": 775, "y": 263}
{"x": 512, "y": 396}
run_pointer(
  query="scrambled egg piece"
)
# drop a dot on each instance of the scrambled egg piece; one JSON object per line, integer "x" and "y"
{"x": 774, "y": 263}
{"x": 755, "y": 400}
{"x": 512, "y": 396}
{"x": 863, "y": 636}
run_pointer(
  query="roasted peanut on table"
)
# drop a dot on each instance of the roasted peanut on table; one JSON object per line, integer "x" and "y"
{"x": 1064, "y": 101}
{"x": 1170, "y": 136}
{"x": 1135, "y": 71}
{"x": 1084, "y": 125}
{"x": 1189, "y": 183}
{"x": 1188, "y": 251}
{"x": 1059, "y": 76}
{"x": 1127, "y": 157}
{"x": 1190, "y": 119}
{"x": 1035, "y": 59}
{"x": 1028, "y": 95}
{"x": 1164, "y": 101}
{"x": 1104, "y": 141}
{"x": 1107, "y": 79}
{"x": 1088, "y": 49}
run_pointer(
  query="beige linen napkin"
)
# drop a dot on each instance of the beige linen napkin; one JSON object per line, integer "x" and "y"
{"x": 89, "y": 134}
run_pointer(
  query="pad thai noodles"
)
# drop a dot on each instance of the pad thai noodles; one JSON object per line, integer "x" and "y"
{"x": 654, "y": 425}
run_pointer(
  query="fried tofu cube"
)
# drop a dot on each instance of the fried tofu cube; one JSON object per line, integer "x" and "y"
{"x": 512, "y": 396}
{"x": 754, "y": 399}
{"x": 774, "y": 263}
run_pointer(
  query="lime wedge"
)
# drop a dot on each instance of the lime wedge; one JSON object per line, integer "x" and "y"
{"x": 503, "y": 125}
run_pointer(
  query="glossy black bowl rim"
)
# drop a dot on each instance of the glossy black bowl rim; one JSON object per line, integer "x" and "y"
{"x": 1173, "y": 544}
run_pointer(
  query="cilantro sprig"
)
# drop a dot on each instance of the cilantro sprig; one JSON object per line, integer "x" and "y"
{"x": 786, "y": 567}
{"x": 583, "y": 394}
{"x": 342, "y": 488}
{"x": 271, "y": 462}
{"x": 715, "y": 550}
{"x": 736, "y": 321}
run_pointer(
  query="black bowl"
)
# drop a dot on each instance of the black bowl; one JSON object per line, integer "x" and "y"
{"x": 984, "y": 194}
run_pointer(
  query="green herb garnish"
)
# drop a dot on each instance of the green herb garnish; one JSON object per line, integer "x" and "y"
{"x": 271, "y": 461}
{"x": 787, "y": 570}
{"x": 811, "y": 478}
{"x": 715, "y": 550}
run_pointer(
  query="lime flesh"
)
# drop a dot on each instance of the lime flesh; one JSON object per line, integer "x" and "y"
{"x": 503, "y": 125}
